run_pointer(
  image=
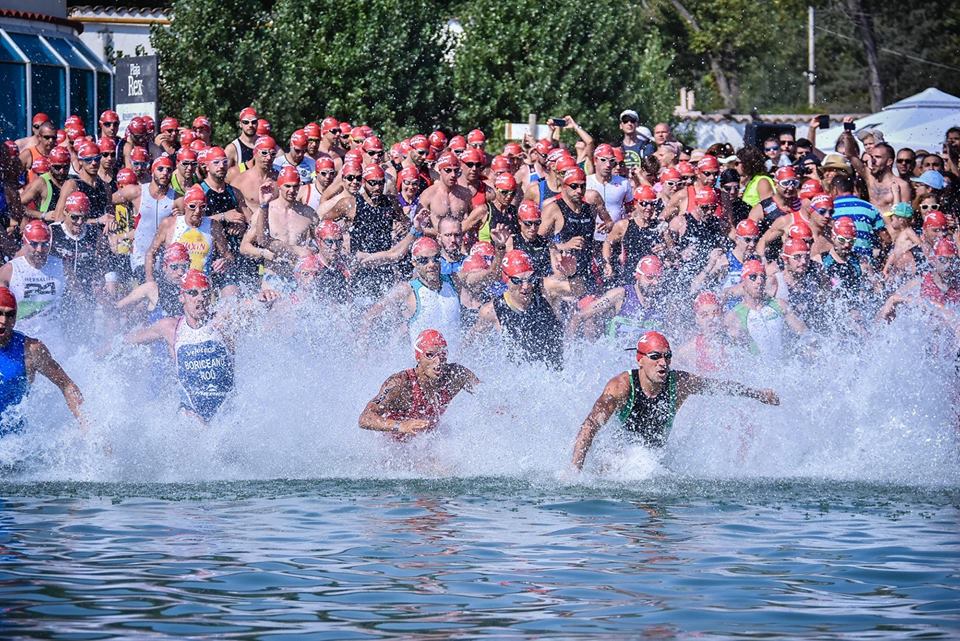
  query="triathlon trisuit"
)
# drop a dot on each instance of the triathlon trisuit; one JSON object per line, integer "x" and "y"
{"x": 633, "y": 319}
{"x": 637, "y": 242}
{"x": 733, "y": 278}
{"x": 52, "y": 197}
{"x": 244, "y": 153}
{"x": 242, "y": 270}
{"x": 204, "y": 368}
{"x": 81, "y": 260}
{"x": 14, "y": 383}
{"x": 703, "y": 235}
{"x": 705, "y": 360}
{"x": 314, "y": 194}
{"x": 439, "y": 310}
{"x": 198, "y": 241}
{"x": 420, "y": 407}
{"x": 372, "y": 231}
{"x": 538, "y": 250}
{"x": 764, "y": 326}
{"x": 534, "y": 334}
{"x": 650, "y": 419}
{"x": 495, "y": 218}
{"x": 306, "y": 168}
{"x": 39, "y": 293}
{"x": 805, "y": 295}
{"x": 152, "y": 212}
{"x": 333, "y": 283}
{"x": 845, "y": 277}
{"x": 99, "y": 196}
{"x": 34, "y": 155}
{"x": 616, "y": 194}
{"x": 930, "y": 291}
{"x": 581, "y": 223}
{"x": 545, "y": 191}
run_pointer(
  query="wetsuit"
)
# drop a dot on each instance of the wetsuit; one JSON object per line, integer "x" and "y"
{"x": 14, "y": 383}
{"x": 651, "y": 419}
{"x": 534, "y": 334}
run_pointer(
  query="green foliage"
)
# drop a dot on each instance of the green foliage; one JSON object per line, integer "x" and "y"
{"x": 588, "y": 60}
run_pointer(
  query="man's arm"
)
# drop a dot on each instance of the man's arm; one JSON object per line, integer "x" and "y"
{"x": 40, "y": 360}
{"x": 688, "y": 384}
{"x": 163, "y": 329}
{"x": 159, "y": 239}
{"x": 389, "y": 399}
{"x": 605, "y": 305}
{"x": 392, "y": 255}
{"x": 613, "y": 397}
{"x": 33, "y": 192}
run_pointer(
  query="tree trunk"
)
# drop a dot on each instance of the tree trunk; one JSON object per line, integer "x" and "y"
{"x": 864, "y": 23}
{"x": 728, "y": 91}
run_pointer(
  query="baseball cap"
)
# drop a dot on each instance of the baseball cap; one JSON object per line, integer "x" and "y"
{"x": 931, "y": 178}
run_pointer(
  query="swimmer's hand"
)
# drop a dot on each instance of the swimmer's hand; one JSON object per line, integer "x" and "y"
{"x": 413, "y": 426}
{"x": 768, "y": 397}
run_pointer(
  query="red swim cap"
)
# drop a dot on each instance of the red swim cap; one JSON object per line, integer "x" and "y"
{"x": 670, "y": 173}
{"x": 565, "y": 163}
{"x": 499, "y": 164}
{"x": 652, "y": 342}
{"x": 845, "y": 227}
{"x": 474, "y": 263}
{"x": 126, "y": 176}
{"x": 448, "y": 160}
{"x": 752, "y": 267}
{"x": 194, "y": 279}
{"x": 36, "y": 231}
{"x": 472, "y": 155}
{"x": 373, "y": 172}
{"x": 515, "y": 261}
{"x": 810, "y": 188}
{"x": 59, "y": 155}
{"x": 77, "y": 202}
{"x": 794, "y": 246}
{"x": 264, "y": 128}
{"x": 505, "y": 182}
{"x": 476, "y": 136}
{"x": 40, "y": 166}
{"x": 162, "y": 161}
{"x": 705, "y": 298}
{"x": 175, "y": 252}
{"x": 264, "y": 142}
{"x": 7, "y": 299}
{"x": 786, "y": 173}
{"x": 137, "y": 154}
{"x": 438, "y": 140}
{"x": 429, "y": 339}
{"x": 800, "y": 230}
{"x": 649, "y": 266}
{"x": 409, "y": 173}
{"x": 373, "y": 143}
{"x": 195, "y": 195}
{"x": 484, "y": 249}
{"x": 528, "y": 210}
{"x": 685, "y": 168}
{"x": 329, "y": 229}
{"x": 298, "y": 140}
{"x": 288, "y": 176}
{"x": 214, "y": 153}
{"x": 644, "y": 192}
{"x": 457, "y": 142}
{"x": 603, "y": 151}
{"x": 325, "y": 163}
{"x": 821, "y": 201}
{"x": 747, "y": 227}
{"x": 201, "y": 122}
{"x": 310, "y": 262}
{"x": 424, "y": 244}
{"x": 705, "y": 196}
{"x": 708, "y": 163}
{"x": 572, "y": 176}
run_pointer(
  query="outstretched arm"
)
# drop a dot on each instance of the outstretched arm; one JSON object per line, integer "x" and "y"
{"x": 612, "y": 398}
{"x": 40, "y": 360}
{"x": 692, "y": 384}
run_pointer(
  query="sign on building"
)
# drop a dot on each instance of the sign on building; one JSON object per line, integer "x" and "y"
{"x": 135, "y": 88}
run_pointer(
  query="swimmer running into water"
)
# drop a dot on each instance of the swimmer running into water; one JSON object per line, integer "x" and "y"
{"x": 21, "y": 357}
{"x": 646, "y": 399}
{"x": 413, "y": 400}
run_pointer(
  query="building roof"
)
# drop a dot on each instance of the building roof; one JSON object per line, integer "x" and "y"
{"x": 698, "y": 116}
{"x": 41, "y": 17}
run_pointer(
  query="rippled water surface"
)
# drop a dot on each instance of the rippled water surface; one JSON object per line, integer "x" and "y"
{"x": 481, "y": 557}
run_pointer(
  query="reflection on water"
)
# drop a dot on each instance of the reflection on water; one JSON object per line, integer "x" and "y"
{"x": 487, "y": 557}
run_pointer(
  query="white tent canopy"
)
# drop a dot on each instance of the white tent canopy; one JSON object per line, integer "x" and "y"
{"x": 918, "y": 122}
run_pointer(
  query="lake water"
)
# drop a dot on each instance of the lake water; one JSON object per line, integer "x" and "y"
{"x": 484, "y": 557}
{"x": 834, "y": 515}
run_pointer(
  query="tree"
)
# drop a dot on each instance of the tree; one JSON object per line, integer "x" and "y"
{"x": 589, "y": 60}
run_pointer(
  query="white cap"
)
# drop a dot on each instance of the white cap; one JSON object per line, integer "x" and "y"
{"x": 631, "y": 113}
{"x": 644, "y": 132}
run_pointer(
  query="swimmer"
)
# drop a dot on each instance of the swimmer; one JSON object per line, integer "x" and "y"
{"x": 21, "y": 357}
{"x": 647, "y": 399}
{"x": 413, "y": 400}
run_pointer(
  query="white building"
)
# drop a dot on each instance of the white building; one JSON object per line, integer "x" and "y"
{"x": 112, "y": 32}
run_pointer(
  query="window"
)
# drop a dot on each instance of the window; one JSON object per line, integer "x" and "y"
{"x": 48, "y": 81}
{"x": 13, "y": 92}
{"x": 104, "y": 92}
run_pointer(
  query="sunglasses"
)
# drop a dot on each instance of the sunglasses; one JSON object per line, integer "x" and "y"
{"x": 179, "y": 267}
{"x": 450, "y": 170}
{"x": 194, "y": 292}
{"x": 577, "y": 186}
{"x": 78, "y": 217}
{"x": 163, "y": 170}
{"x": 787, "y": 143}
{"x": 516, "y": 280}
{"x": 137, "y": 164}
{"x": 906, "y": 161}
{"x": 37, "y": 126}
{"x": 248, "y": 122}
{"x": 823, "y": 212}
{"x": 708, "y": 208}
{"x": 332, "y": 242}
{"x": 472, "y": 165}
{"x": 317, "y": 140}
{"x": 376, "y": 183}
{"x": 730, "y": 189}
{"x": 54, "y": 137}
{"x": 39, "y": 244}
{"x": 375, "y": 153}
{"x": 90, "y": 158}
{"x": 656, "y": 356}
{"x": 267, "y": 153}
{"x": 777, "y": 148}
{"x": 530, "y": 223}
{"x": 426, "y": 260}
{"x": 345, "y": 136}
{"x": 188, "y": 163}
{"x": 711, "y": 174}
{"x": 606, "y": 159}
{"x": 108, "y": 154}
{"x": 647, "y": 203}
{"x": 505, "y": 192}
{"x": 627, "y": 119}
{"x": 326, "y": 173}
{"x": 788, "y": 184}
{"x": 844, "y": 239}
{"x": 352, "y": 178}
{"x": 670, "y": 183}
{"x": 928, "y": 206}
{"x": 756, "y": 277}
{"x": 58, "y": 167}
{"x": 8, "y": 313}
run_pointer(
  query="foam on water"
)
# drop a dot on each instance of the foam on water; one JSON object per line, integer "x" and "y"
{"x": 880, "y": 408}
